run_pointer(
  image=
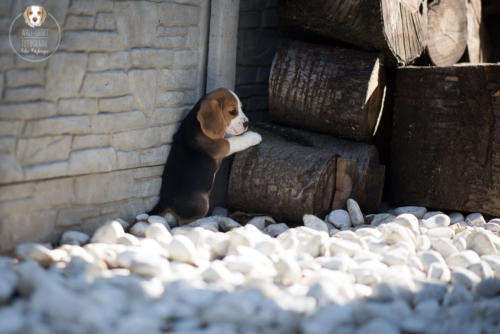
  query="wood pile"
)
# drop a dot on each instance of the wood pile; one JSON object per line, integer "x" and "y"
{"x": 329, "y": 88}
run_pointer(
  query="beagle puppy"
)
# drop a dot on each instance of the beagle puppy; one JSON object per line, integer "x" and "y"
{"x": 213, "y": 129}
{"x": 34, "y": 16}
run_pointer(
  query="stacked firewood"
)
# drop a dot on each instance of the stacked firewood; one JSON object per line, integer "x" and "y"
{"x": 328, "y": 87}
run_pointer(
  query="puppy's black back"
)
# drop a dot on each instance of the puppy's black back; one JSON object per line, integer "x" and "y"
{"x": 189, "y": 173}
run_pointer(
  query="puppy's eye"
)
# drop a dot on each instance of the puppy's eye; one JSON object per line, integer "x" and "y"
{"x": 31, "y": 13}
{"x": 38, "y": 13}
{"x": 233, "y": 112}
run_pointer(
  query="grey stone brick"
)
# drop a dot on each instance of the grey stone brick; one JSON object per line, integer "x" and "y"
{"x": 185, "y": 58}
{"x": 6, "y": 62}
{"x": 64, "y": 74}
{"x": 172, "y": 14}
{"x": 8, "y": 145}
{"x": 193, "y": 38}
{"x": 93, "y": 160}
{"x": 31, "y": 151}
{"x": 104, "y": 188}
{"x": 169, "y": 98}
{"x": 77, "y": 106}
{"x": 105, "y": 84}
{"x": 17, "y": 78}
{"x": 57, "y": 126}
{"x": 134, "y": 30}
{"x": 75, "y": 216}
{"x": 169, "y": 115}
{"x": 27, "y": 110}
{"x": 154, "y": 156}
{"x": 162, "y": 30}
{"x": 11, "y": 128}
{"x": 24, "y": 94}
{"x": 127, "y": 159}
{"x": 142, "y": 138}
{"x": 170, "y": 42}
{"x": 146, "y": 57}
{"x": 103, "y": 61}
{"x": 115, "y": 104}
{"x": 90, "y": 7}
{"x": 146, "y": 188}
{"x": 54, "y": 192}
{"x": 104, "y": 123}
{"x": 105, "y": 21}
{"x": 178, "y": 78}
{"x": 90, "y": 41}
{"x": 16, "y": 191}
{"x": 75, "y": 22}
{"x": 10, "y": 169}
{"x": 89, "y": 141}
{"x": 148, "y": 172}
{"x": 143, "y": 86}
{"x": 45, "y": 171}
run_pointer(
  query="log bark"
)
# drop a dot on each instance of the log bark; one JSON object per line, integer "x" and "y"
{"x": 447, "y": 31}
{"x": 293, "y": 172}
{"x": 446, "y": 138}
{"x": 395, "y": 25}
{"x": 477, "y": 36}
{"x": 327, "y": 89}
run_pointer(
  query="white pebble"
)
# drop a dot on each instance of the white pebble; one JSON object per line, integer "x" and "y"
{"x": 441, "y": 232}
{"x": 355, "y": 213}
{"x": 227, "y": 224}
{"x": 457, "y": 295}
{"x": 139, "y": 229}
{"x": 408, "y": 220}
{"x": 423, "y": 242}
{"x": 430, "y": 214}
{"x": 171, "y": 220}
{"x": 444, "y": 246}
{"x": 417, "y": 211}
{"x": 142, "y": 216}
{"x": 488, "y": 288}
{"x": 340, "y": 219}
{"x": 493, "y": 226}
{"x": 462, "y": 259}
{"x": 460, "y": 243}
{"x": 339, "y": 246}
{"x": 289, "y": 271}
{"x": 209, "y": 223}
{"x": 481, "y": 269}
{"x": 481, "y": 242}
{"x": 475, "y": 219}
{"x": 128, "y": 240}
{"x": 429, "y": 257}
{"x": 456, "y": 217}
{"x": 437, "y": 220}
{"x": 381, "y": 218}
{"x": 156, "y": 219}
{"x": 33, "y": 251}
{"x": 462, "y": 276}
{"x": 158, "y": 232}
{"x": 396, "y": 256}
{"x": 108, "y": 233}
{"x": 315, "y": 223}
{"x": 378, "y": 326}
{"x": 182, "y": 249}
{"x": 74, "y": 238}
{"x": 276, "y": 229}
{"x": 8, "y": 282}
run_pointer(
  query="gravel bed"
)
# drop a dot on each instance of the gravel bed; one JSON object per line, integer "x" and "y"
{"x": 405, "y": 271}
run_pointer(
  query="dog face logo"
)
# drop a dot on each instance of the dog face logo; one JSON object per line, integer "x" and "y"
{"x": 34, "y": 16}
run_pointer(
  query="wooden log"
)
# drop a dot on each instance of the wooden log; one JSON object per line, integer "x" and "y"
{"x": 395, "y": 25}
{"x": 446, "y": 138}
{"x": 477, "y": 36}
{"x": 327, "y": 89}
{"x": 447, "y": 31}
{"x": 293, "y": 172}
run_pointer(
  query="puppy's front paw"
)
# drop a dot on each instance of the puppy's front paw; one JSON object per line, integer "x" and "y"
{"x": 253, "y": 138}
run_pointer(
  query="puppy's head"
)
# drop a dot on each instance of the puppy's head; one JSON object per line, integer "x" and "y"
{"x": 34, "y": 16}
{"x": 220, "y": 113}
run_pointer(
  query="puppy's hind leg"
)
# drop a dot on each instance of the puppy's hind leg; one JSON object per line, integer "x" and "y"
{"x": 193, "y": 208}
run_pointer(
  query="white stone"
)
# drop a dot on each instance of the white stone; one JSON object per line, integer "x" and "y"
{"x": 456, "y": 217}
{"x": 438, "y": 271}
{"x": 171, "y": 220}
{"x": 488, "y": 288}
{"x": 481, "y": 242}
{"x": 261, "y": 222}
{"x": 139, "y": 229}
{"x": 437, "y": 220}
{"x": 11, "y": 320}
{"x": 396, "y": 256}
{"x": 460, "y": 243}
{"x": 74, "y": 238}
{"x": 381, "y": 218}
{"x": 315, "y": 223}
{"x": 355, "y": 213}
{"x": 142, "y": 217}
{"x": 462, "y": 276}
{"x": 394, "y": 233}
{"x": 182, "y": 249}
{"x": 128, "y": 240}
{"x": 493, "y": 226}
{"x": 275, "y": 229}
{"x": 8, "y": 281}
{"x": 441, "y": 232}
{"x": 289, "y": 271}
{"x": 462, "y": 259}
{"x": 430, "y": 214}
{"x": 475, "y": 219}
{"x": 210, "y": 223}
{"x": 158, "y": 232}
{"x": 417, "y": 211}
{"x": 108, "y": 233}
{"x": 430, "y": 257}
{"x": 444, "y": 246}
{"x": 143, "y": 262}
{"x": 378, "y": 326}
{"x": 408, "y": 220}
{"x": 326, "y": 320}
{"x": 423, "y": 243}
{"x": 340, "y": 219}
{"x": 227, "y": 224}
{"x": 156, "y": 219}
{"x": 33, "y": 251}
{"x": 494, "y": 262}
{"x": 339, "y": 246}
{"x": 481, "y": 269}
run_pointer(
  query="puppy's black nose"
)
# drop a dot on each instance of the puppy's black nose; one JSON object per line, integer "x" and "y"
{"x": 245, "y": 124}
{"x": 34, "y": 19}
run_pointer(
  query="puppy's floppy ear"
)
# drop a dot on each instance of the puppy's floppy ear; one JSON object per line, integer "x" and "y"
{"x": 26, "y": 18}
{"x": 44, "y": 15}
{"x": 211, "y": 119}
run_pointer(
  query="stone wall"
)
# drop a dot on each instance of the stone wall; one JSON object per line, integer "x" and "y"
{"x": 258, "y": 38}
{"x": 84, "y": 135}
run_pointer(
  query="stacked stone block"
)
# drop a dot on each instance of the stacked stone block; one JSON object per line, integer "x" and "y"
{"x": 84, "y": 135}
{"x": 258, "y": 38}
